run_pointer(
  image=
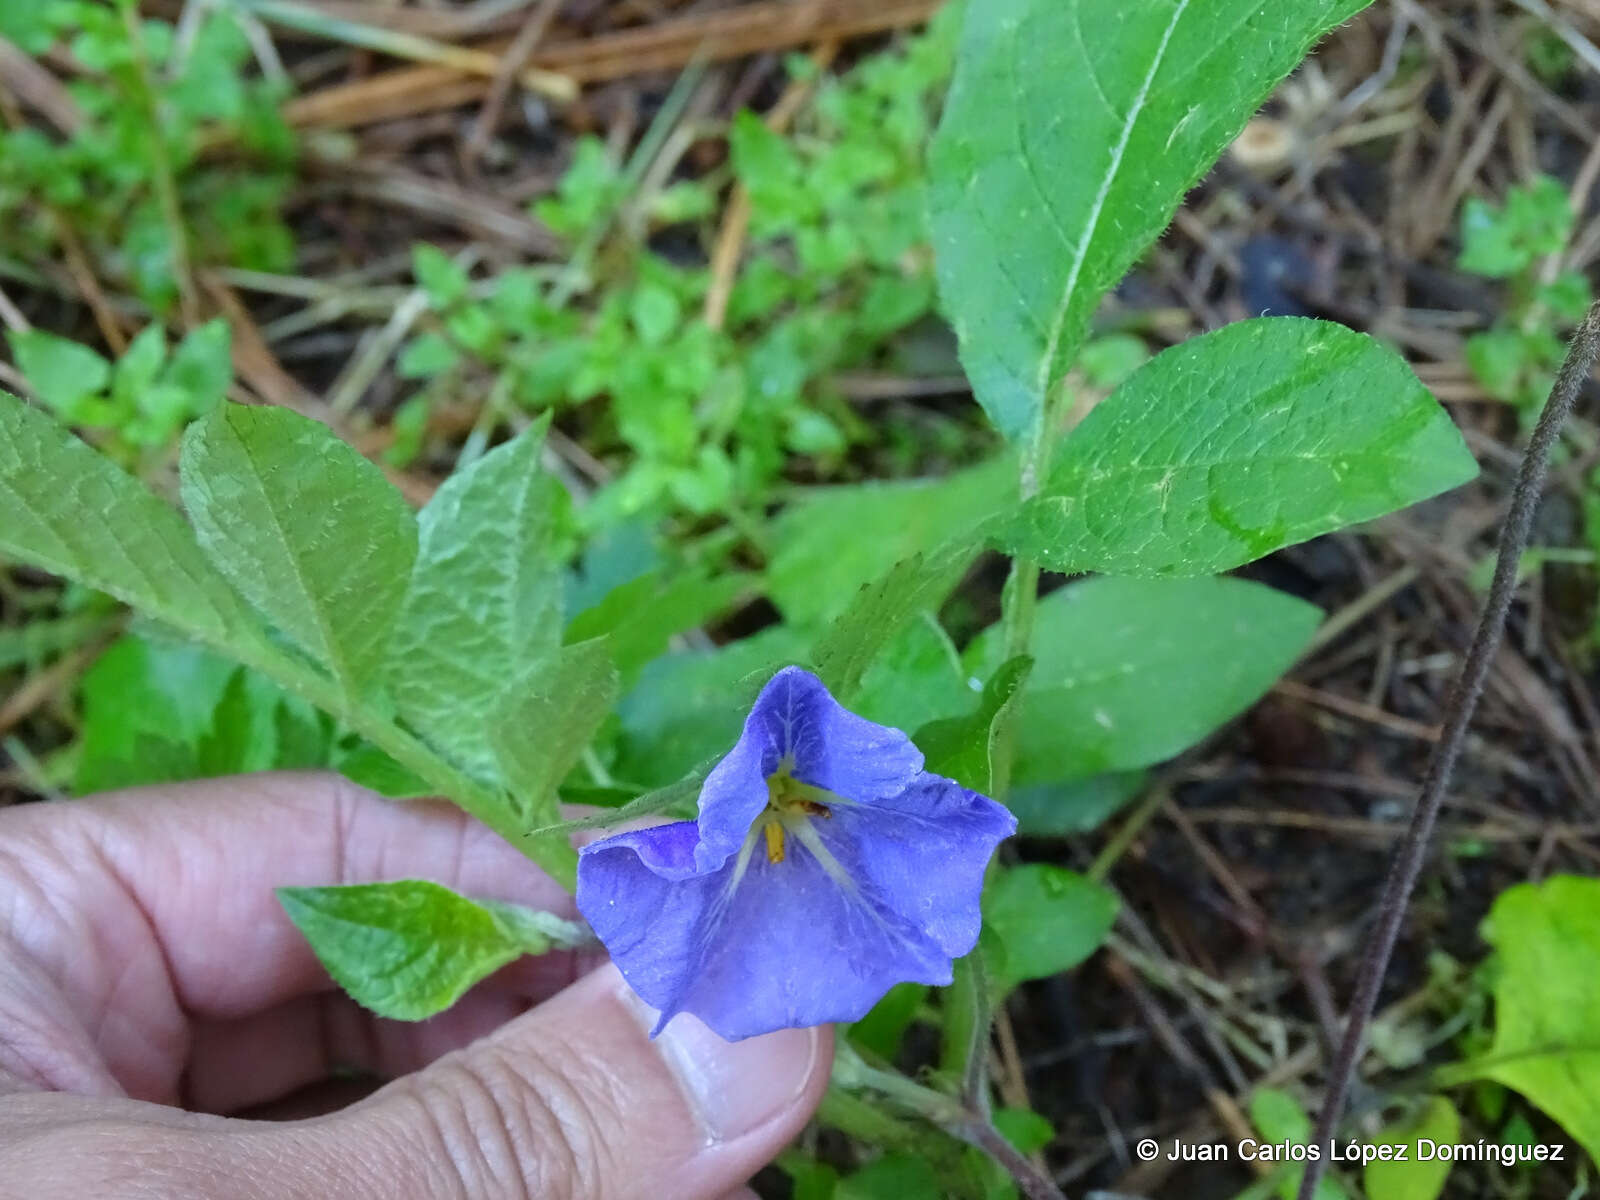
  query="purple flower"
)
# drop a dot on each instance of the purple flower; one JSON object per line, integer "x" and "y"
{"x": 825, "y": 867}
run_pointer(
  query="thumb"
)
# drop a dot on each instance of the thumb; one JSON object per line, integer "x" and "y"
{"x": 574, "y": 1100}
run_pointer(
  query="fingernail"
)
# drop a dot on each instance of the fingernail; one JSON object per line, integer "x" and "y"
{"x": 734, "y": 1088}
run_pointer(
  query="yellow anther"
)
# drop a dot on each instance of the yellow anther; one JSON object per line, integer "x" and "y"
{"x": 774, "y": 835}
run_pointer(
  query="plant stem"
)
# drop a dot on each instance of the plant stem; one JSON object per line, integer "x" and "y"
{"x": 554, "y": 854}
{"x": 967, "y": 1015}
{"x": 166, "y": 185}
{"x": 1409, "y": 855}
{"x": 851, "y": 1073}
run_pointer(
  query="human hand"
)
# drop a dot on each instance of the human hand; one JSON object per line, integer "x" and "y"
{"x": 149, "y": 982}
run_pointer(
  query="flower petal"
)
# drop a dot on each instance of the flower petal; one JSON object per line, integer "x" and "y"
{"x": 795, "y": 722}
{"x": 642, "y": 895}
{"x": 794, "y": 948}
{"x": 924, "y": 850}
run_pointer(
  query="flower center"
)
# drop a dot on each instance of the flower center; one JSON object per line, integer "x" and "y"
{"x": 789, "y": 803}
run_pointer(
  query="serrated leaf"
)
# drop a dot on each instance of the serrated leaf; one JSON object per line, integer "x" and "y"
{"x": 411, "y": 948}
{"x": 1547, "y": 1001}
{"x": 61, "y": 371}
{"x": 1414, "y": 1177}
{"x": 306, "y": 529}
{"x": 1072, "y": 130}
{"x": 962, "y": 748}
{"x": 1045, "y": 919}
{"x": 484, "y": 602}
{"x": 881, "y": 609}
{"x": 1128, "y": 672}
{"x": 547, "y": 718}
{"x": 676, "y": 799}
{"x": 1234, "y": 444}
{"x": 68, "y": 510}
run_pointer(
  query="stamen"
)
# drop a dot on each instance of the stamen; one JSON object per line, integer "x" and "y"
{"x": 774, "y": 835}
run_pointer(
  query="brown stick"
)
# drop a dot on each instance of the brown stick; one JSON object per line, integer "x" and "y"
{"x": 664, "y": 46}
{"x": 1408, "y": 859}
{"x": 516, "y": 57}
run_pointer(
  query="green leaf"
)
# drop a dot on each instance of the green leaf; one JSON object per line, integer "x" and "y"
{"x": 836, "y": 540}
{"x": 428, "y": 355}
{"x": 641, "y": 616}
{"x": 439, "y": 275}
{"x": 1235, "y": 444}
{"x": 1071, "y": 806}
{"x": 917, "y": 678}
{"x": 1072, "y": 130}
{"x": 140, "y": 694}
{"x": 1128, "y": 672}
{"x": 30, "y": 26}
{"x": 962, "y": 748}
{"x": 1414, "y": 1178}
{"x": 41, "y": 639}
{"x": 881, "y": 1030}
{"x": 202, "y": 365}
{"x": 892, "y": 1177}
{"x": 1536, "y": 221}
{"x": 410, "y": 949}
{"x": 483, "y": 606}
{"x": 156, "y": 711}
{"x": 68, "y": 510}
{"x": 139, "y": 365}
{"x": 61, "y": 371}
{"x": 1046, "y": 920}
{"x": 547, "y": 718}
{"x": 881, "y": 609}
{"x": 371, "y": 768}
{"x": 1547, "y": 1001}
{"x": 688, "y": 708}
{"x": 308, "y": 531}
{"x": 1279, "y": 1118}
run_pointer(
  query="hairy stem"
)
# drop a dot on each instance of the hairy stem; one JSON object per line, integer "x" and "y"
{"x": 553, "y": 853}
{"x": 1413, "y": 848}
{"x": 851, "y": 1073}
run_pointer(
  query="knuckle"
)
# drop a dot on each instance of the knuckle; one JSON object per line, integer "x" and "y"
{"x": 518, "y": 1125}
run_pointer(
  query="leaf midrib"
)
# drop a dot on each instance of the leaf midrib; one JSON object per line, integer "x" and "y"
{"x": 1058, "y": 322}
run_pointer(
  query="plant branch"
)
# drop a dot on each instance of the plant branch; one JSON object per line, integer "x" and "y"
{"x": 1464, "y": 695}
{"x": 852, "y": 1073}
{"x": 553, "y": 853}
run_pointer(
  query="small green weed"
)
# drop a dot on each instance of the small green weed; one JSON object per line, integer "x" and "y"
{"x": 180, "y": 158}
{"x": 704, "y": 417}
{"x": 1516, "y": 359}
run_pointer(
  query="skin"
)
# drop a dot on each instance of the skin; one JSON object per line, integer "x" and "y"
{"x": 166, "y": 1032}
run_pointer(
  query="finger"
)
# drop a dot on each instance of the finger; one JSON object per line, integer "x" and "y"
{"x": 250, "y": 1061}
{"x": 575, "y": 1099}
{"x": 572, "y": 1100}
{"x": 198, "y": 862}
{"x": 146, "y": 912}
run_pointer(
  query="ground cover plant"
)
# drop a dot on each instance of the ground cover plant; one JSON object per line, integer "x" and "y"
{"x": 522, "y": 640}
